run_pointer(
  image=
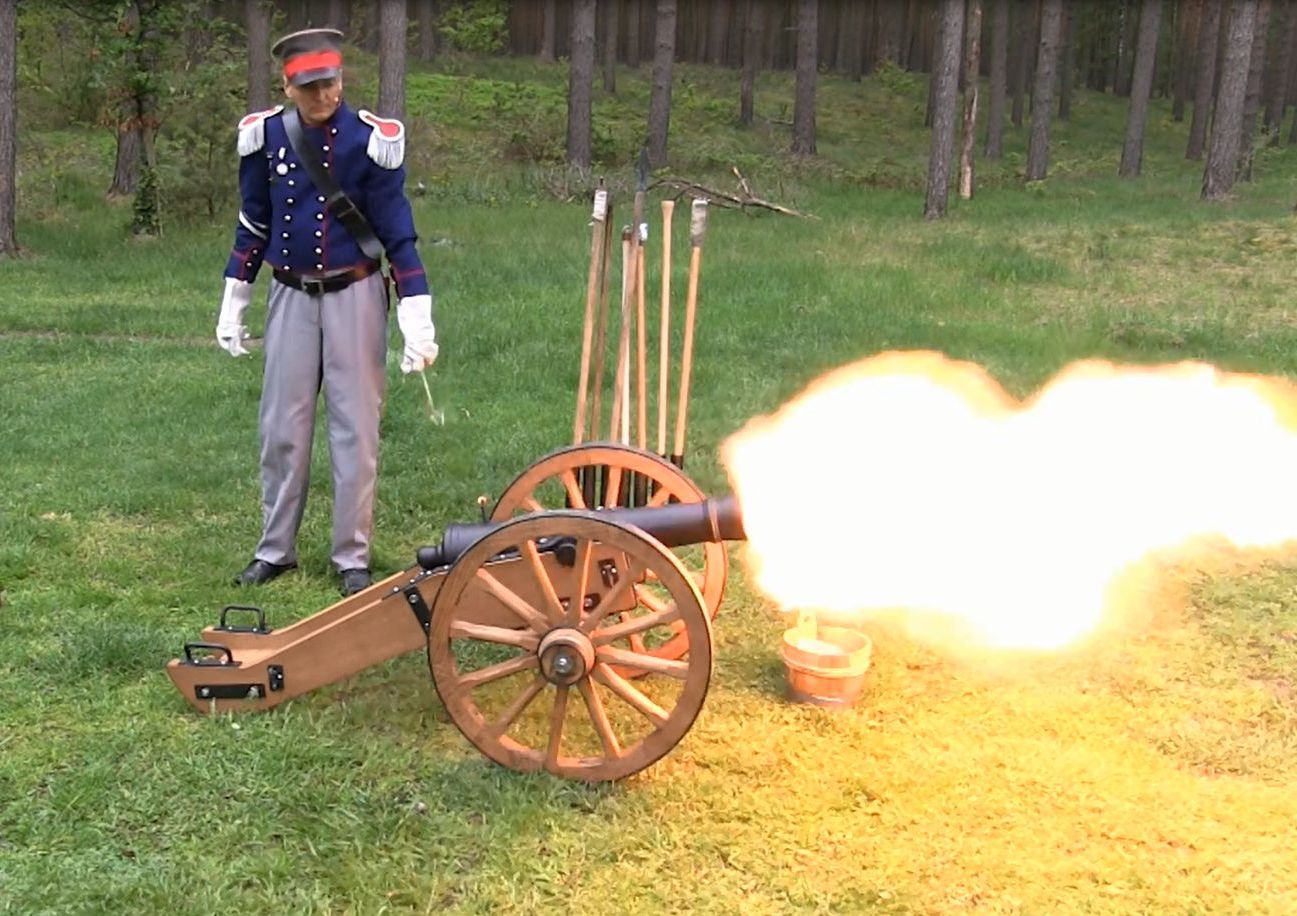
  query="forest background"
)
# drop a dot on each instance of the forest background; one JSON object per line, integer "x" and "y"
{"x": 1122, "y": 188}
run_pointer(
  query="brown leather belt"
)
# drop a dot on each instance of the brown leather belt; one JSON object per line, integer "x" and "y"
{"x": 327, "y": 283}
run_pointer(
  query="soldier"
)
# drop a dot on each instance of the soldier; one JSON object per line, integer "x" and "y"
{"x": 326, "y": 315}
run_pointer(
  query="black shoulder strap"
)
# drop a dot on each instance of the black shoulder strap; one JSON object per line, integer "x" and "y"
{"x": 339, "y": 204}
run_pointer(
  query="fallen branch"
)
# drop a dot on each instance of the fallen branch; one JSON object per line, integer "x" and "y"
{"x": 742, "y": 199}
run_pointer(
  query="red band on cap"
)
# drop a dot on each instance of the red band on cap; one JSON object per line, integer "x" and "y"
{"x": 320, "y": 60}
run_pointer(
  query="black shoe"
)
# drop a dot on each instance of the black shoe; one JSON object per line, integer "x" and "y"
{"x": 355, "y": 580}
{"x": 259, "y": 572}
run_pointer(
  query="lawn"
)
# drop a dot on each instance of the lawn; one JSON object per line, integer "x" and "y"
{"x": 1150, "y": 772}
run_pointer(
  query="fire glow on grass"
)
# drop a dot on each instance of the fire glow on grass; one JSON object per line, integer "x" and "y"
{"x": 909, "y": 481}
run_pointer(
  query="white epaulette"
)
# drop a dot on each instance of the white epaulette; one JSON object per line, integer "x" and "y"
{"x": 386, "y": 140}
{"x": 252, "y": 130}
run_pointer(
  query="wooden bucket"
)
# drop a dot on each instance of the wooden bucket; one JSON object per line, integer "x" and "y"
{"x": 825, "y": 665}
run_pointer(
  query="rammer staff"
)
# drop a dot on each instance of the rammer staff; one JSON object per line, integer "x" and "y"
{"x": 601, "y": 346}
{"x": 641, "y": 345}
{"x": 598, "y": 215}
{"x": 697, "y": 230}
{"x": 619, "y": 427}
{"x": 664, "y": 339}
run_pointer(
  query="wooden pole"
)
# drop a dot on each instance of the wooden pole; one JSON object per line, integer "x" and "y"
{"x": 641, "y": 351}
{"x": 664, "y": 338}
{"x": 697, "y": 230}
{"x": 601, "y": 343}
{"x": 599, "y": 213}
{"x": 619, "y": 428}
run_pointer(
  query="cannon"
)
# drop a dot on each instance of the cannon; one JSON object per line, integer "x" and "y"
{"x": 517, "y": 613}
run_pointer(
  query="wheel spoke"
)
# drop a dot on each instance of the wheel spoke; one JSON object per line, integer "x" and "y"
{"x": 523, "y": 639}
{"x": 614, "y": 487}
{"x": 574, "y": 495}
{"x": 641, "y": 662}
{"x": 653, "y": 602}
{"x": 532, "y": 504}
{"x": 499, "y": 670}
{"x": 630, "y": 693}
{"x": 553, "y": 610}
{"x": 556, "y": 717}
{"x": 518, "y": 704}
{"x": 511, "y": 600}
{"x": 660, "y": 498}
{"x": 581, "y": 580}
{"x": 599, "y": 716}
{"x": 607, "y": 604}
{"x": 635, "y": 625}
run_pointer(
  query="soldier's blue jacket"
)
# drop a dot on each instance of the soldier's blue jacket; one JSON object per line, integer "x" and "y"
{"x": 283, "y": 220}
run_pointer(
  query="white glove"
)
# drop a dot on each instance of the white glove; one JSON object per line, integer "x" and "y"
{"x": 414, "y": 316}
{"x": 230, "y": 330}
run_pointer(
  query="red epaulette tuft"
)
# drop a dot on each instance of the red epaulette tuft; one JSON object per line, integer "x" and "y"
{"x": 386, "y": 140}
{"x": 252, "y": 130}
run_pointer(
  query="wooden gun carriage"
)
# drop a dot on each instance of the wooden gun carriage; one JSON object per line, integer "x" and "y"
{"x": 546, "y": 598}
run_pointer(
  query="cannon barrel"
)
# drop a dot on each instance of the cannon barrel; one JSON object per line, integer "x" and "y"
{"x": 673, "y": 525}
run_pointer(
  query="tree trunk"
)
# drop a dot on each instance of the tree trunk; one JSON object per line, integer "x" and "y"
{"x": 297, "y": 15}
{"x": 1186, "y": 42}
{"x": 427, "y": 30}
{"x": 146, "y": 217}
{"x": 999, "y": 79}
{"x": 1042, "y": 94}
{"x": 972, "y": 68}
{"x": 1126, "y": 50}
{"x": 718, "y": 29}
{"x": 1205, "y": 81}
{"x": 1227, "y": 125}
{"x": 391, "y": 58}
{"x": 256, "y": 15}
{"x": 807, "y": 69}
{"x": 580, "y": 85}
{"x": 1252, "y": 97}
{"x": 1141, "y": 86}
{"x": 126, "y": 166}
{"x": 369, "y": 32}
{"x": 855, "y": 28}
{"x": 633, "y": 16}
{"x": 8, "y": 126}
{"x": 891, "y": 23}
{"x": 549, "y": 20}
{"x": 1067, "y": 63}
{"x": 1281, "y": 70}
{"x": 751, "y": 50}
{"x": 660, "y": 96}
{"x": 339, "y": 15}
{"x": 610, "y": 30}
{"x": 126, "y": 162}
{"x": 1021, "y": 51}
{"x": 945, "y": 77}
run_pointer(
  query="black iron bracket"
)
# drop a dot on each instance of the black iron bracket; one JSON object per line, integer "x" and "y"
{"x": 229, "y": 691}
{"x": 415, "y": 599}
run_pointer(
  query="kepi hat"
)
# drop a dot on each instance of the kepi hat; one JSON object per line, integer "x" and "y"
{"x": 310, "y": 55}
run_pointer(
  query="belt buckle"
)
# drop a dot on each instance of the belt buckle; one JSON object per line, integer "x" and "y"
{"x": 313, "y": 286}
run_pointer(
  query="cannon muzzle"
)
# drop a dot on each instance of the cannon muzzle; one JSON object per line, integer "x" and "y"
{"x": 673, "y": 525}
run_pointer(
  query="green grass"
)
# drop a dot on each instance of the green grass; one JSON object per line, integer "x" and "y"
{"x": 1151, "y": 773}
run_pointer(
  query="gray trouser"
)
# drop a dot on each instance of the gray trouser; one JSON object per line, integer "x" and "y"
{"x": 338, "y": 339}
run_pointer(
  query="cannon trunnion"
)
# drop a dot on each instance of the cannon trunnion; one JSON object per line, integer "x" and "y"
{"x": 569, "y": 640}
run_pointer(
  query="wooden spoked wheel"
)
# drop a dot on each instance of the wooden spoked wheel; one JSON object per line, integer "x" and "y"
{"x": 556, "y": 482}
{"x": 508, "y": 648}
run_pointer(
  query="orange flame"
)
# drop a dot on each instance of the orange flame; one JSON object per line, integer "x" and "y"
{"x": 912, "y": 481}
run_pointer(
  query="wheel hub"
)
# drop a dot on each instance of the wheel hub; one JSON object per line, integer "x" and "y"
{"x": 566, "y": 656}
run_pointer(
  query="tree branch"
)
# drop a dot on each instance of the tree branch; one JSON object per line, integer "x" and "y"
{"x": 742, "y": 199}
